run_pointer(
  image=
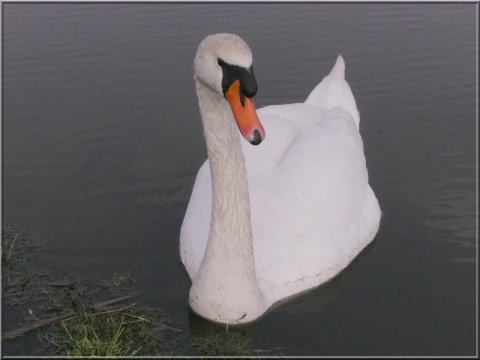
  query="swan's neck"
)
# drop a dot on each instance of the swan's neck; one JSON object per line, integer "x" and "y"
{"x": 227, "y": 275}
{"x": 230, "y": 230}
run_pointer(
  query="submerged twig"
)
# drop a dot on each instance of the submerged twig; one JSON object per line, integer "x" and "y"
{"x": 38, "y": 324}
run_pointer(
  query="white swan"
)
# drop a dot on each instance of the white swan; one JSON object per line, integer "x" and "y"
{"x": 288, "y": 214}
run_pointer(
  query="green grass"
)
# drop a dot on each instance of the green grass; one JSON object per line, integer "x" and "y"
{"x": 226, "y": 344}
{"x": 30, "y": 294}
{"x": 17, "y": 250}
{"x": 118, "y": 285}
{"x": 121, "y": 333}
{"x": 84, "y": 339}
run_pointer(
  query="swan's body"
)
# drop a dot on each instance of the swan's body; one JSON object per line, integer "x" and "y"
{"x": 288, "y": 214}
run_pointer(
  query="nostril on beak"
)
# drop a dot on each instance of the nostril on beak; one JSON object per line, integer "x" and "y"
{"x": 257, "y": 138}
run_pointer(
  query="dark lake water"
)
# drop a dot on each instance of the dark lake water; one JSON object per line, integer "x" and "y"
{"x": 101, "y": 142}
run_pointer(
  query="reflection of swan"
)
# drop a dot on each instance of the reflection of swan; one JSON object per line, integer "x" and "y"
{"x": 294, "y": 211}
{"x": 211, "y": 339}
{"x": 315, "y": 300}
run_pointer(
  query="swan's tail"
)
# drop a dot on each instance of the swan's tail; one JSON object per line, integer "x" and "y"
{"x": 338, "y": 70}
{"x": 334, "y": 91}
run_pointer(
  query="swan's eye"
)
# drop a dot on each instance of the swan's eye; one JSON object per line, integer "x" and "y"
{"x": 221, "y": 62}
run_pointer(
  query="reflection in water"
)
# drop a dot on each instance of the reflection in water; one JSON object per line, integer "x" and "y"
{"x": 215, "y": 339}
{"x": 201, "y": 327}
{"x": 313, "y": 301}
{"x": 235, "y": 339}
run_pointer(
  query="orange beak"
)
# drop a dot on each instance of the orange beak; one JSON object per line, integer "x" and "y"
{"x": 245, "y": 115}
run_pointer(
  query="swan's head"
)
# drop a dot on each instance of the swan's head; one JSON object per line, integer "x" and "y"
{"x": 224, "y": 64}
